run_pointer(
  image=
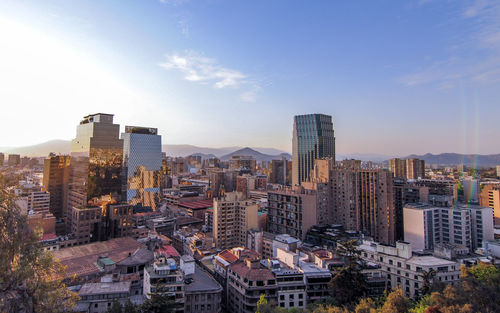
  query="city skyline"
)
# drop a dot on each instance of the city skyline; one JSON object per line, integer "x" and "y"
{"x": 390, "y": 69}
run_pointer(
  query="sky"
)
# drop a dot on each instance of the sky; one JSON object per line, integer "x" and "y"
{"x": 398, "y": 77}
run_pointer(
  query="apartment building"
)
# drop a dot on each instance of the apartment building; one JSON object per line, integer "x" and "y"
{"x": 405, "y": 270}
{"x": 233, "y": 216}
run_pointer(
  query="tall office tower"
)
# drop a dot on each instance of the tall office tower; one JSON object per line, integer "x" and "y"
{"x": 415, "y": 169}
{"x": 398, "y": 167}
{"x": 55, "y": 181}
{"x": 363, "y": 200}
{"x": 490, "y": 197}
{"x": 292, "y": 211}
{"x": 2, "y": 159}
{"x": 233, "y": 216}
{"x": 243, "y": 163}
{"x": 14, "y": 159}
{"x": 404, "y": 193}
{"x": 96, "y": 161}
{"x": 142, "y": 165}
{"x": 313, "y": 138}
{"x": 280, "y": 172}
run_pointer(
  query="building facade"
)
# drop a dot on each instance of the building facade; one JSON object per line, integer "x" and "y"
{"x": 55, "y": 181}
{"x": 142, "y": 166}
{"x": 313, "y": 138}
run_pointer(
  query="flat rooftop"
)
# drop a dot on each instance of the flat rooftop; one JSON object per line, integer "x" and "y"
{"x": 202, "y": 282}
{"x": 429, "y": 260}
{"x": 104, "y": 288}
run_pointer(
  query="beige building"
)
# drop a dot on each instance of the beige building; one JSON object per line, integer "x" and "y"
{"x": 233, "y": 216}
{"x": 490, "y": 197}
{"x": 398, "y": 167}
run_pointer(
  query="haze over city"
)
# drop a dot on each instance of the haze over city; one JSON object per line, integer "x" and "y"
{"x": 397, "y": 77}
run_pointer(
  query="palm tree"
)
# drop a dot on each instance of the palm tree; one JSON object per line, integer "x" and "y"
{"x": 428, "y": 278}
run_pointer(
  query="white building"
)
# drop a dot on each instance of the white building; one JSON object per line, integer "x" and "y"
{"x": 404, "y": 269}
{"x": 426, "y": 225}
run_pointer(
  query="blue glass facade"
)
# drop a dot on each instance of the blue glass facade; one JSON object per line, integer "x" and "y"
{"x": 313, "y": 138}
{"x": 142, "y": 163}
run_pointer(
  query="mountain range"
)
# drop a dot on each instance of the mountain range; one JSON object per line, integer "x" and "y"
{"x": 263, "y": 154}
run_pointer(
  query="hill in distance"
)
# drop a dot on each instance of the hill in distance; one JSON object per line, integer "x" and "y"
{"x": 256, "y": 154}
{"x": 456, "y": 158}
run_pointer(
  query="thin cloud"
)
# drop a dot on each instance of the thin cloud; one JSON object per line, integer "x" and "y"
{"x": 197, "y": 68}
{"x": 483, "y": 39}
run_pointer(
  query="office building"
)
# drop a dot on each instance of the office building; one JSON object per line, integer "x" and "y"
{"x": 313, "y": 138}
{"x": 498, "y": 170}
{"x": 471, "y": 190}
{"x": 243, "y": 163}
{"x": 233, "y": 216}
{"x": 142, "y": 165}
{"x": 96, "y": 161}
{"x": 14, "y": 160}
{"x": 86, "y": 224}
{"x": 2, "y": 159}
{"x": 55, "y": 181}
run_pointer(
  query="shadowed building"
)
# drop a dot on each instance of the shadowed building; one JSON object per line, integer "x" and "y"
{"x": 55, "y": 181}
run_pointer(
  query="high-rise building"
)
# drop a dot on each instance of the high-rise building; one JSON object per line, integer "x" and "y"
{"x": 292, "y": 211}
{"x": 498, "y": 170}
{"x": 415, "y": 169}
{"x": 2, "y": 159}
{"x": 55, "y": 181}
{"x": 233, "y": 216}
{"x": 280, "y": 172}
{"x": 243, "y": 163}
{"x": 142, "y": 166}
{"x": 14, "y": 159}
{"x": 96, "y": 161}
{"x": 313, "y": 138}
{"x": 398, "y": 167}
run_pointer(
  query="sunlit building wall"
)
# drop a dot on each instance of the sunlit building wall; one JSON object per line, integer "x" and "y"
{"x": 142, "y": 166}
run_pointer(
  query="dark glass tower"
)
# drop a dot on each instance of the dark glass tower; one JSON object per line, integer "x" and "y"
{"x": 96, "y": 161}
{"x": 142, "y": 164}
{"x": 313, "y": 138}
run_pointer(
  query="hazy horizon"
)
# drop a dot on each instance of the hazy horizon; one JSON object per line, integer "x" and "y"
{"x": 398, "y": 78}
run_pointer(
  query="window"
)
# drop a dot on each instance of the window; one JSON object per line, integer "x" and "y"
{"x": 301, "y": 303}
{"x": 301, "y": 296}
{"x": 95, "y": 305}
{"x": 282, "y": 297}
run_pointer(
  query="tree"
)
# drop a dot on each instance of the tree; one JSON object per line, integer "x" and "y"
{"x": 116, "y": 307}
{"x": 366, "y": 305}
{"x": 349, "y": 250}
{"x": 30, "y": 279}
{"x": 158, "y": 303}
{"x": 130, "y": 308}
{"x": 348, "y": 285}
{"x": 396, "y": 303}
{"x": 428, "y": 278}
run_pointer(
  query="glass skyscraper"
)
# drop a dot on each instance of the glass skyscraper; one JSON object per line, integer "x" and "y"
{"x": 96, "y": 161}
{"x": 142, "y": 165}
{"x": 313, "y": 138}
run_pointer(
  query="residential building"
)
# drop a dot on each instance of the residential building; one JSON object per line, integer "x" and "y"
{"x": 142, "y": 166}
{"x": 99, "y": 297}
{"x": 415, "y": 169}
{"x": 202, "y": 292}
{"x": 86, "y": 224}
{"x": 467, "y": 225}
{"x": 398, "y": 167}
{"x": 2, "y": 159}
{"x": 292, "y": 211}
{"x": 281, "y": 171}
{"x": 405, "y": 270}
{"x": 243, "y": 163}
{"x": 14, "y": 160}
{"x": 490, "y": 197}
{"x": 233, "y": 216}
{"x": 120, "y": 220}
{"x": 313, "y": 138}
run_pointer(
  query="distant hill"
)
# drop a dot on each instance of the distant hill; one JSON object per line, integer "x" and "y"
{"x": 63, "y": 147}
{"x": 363, "y": 157}
{"x": 254, "y": 153}
{"x": 456, "y": 158}
{"x": 42, "y": 149}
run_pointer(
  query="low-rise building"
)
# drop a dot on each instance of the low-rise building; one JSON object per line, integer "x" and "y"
{"x": 99, "y": 297}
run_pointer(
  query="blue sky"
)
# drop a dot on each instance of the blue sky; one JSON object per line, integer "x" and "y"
{"x": 398, "y": 77}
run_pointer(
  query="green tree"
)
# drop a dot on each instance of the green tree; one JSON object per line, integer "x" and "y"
{"x": 158, "y": 303}
{"x": 129, "y": 307}
{"x": 116, "y": 307}
{"x": 428, "y": 278}
{"x": 348, "y": 285}
{"x": 30, "y": 279}
{"x": 396, "y": 303}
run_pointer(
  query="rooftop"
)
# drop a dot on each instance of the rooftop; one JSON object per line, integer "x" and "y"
{"x": 429, "y": 260}
{"x": 202, "y": 204}
{"x": 80, "y": 260}
{"x": 202, "y": 282}
{"x": 251, "y": 274}
{"x": 104, "y": 288}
